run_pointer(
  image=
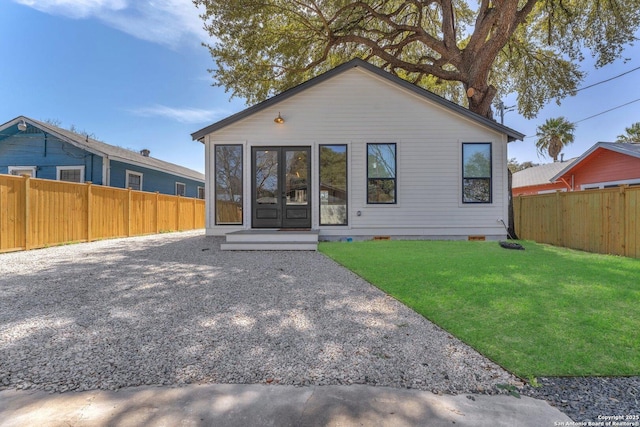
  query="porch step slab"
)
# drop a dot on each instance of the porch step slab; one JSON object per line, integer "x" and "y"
{"x": 269, "y": 236}
{"x": 269, "y": 246}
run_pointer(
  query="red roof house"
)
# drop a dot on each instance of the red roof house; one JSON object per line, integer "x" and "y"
{"x": 605, "y": 165}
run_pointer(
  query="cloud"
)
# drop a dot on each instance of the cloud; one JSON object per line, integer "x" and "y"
{"x": 166, "y": 22}
{"x": 183, "y": 115}
{"x": 76, "y": 9}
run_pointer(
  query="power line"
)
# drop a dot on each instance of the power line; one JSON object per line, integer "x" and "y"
{"x": 604, "y": 81}
{"x": 596, "y": 115}
{"x": 606, "y": 111}
{"x": 507, "y": 109}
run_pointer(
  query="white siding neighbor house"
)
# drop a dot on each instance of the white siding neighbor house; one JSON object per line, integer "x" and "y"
{"x": 358, "y": 153}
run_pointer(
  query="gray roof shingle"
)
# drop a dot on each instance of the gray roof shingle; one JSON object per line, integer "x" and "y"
{"x": 539, "y": 175}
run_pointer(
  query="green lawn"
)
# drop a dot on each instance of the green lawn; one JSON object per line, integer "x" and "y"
{"x": 544, "y": 311}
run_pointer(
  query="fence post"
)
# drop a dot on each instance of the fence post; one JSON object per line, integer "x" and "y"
{"x": 178, "y": 213}
{"x": 89, "y": 211}
{"x": 27, "y": 197}
{"x": 517, "y": 206}
{"x": 194, "y": 214}
{"x": 623, "y": 220}
{"x": 128, "y": 212}
{"x": 559, "y": 240}
{"x": 157, "y": 212}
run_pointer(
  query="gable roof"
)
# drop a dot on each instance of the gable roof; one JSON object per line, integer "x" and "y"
{"x": 512, "y": 135}
{"x": 628, "y": 149}
{"x": 105, "y": 150}
{"x": 539, "y": 175}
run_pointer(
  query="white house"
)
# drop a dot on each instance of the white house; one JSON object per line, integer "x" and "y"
{"x": 357, "y": 152}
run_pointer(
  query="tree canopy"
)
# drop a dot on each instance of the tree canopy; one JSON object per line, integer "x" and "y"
{"x": 631, "y": 135}
{"x": 514, "y": 166}
{"x": 467, "y": 51}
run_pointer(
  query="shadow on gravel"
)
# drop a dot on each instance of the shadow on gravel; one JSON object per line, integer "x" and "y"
{"x": 175, "y": 310}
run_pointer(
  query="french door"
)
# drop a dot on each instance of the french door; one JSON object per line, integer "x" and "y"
{"x": 281, "y": 187}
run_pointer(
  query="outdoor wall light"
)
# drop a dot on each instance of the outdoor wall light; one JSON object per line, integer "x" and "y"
{"x": 279, "y": 120}
{"x": 22, "y": 126}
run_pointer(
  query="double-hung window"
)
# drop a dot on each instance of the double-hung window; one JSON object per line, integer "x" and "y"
{"x": 181, "y": 189}
{"x": 134, "y": 180}
{"x": 476, "y": 172}
{"x": 381, "y": 173}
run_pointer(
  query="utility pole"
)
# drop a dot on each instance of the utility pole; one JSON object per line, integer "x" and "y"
{"x": 503, "y": 110}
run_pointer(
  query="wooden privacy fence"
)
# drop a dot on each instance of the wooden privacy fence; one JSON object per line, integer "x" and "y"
{"x": 35, "y": 213}
{"x": 602, "y": 221}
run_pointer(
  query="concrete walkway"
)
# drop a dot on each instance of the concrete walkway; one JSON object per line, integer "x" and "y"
{"x": 271, "y": 405}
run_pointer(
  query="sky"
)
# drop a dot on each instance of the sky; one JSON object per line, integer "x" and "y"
{"x": 134, "y": 74}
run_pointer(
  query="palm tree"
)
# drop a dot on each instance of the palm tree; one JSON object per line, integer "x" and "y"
{"x": 632, "y": 134}
{"x": 553, "y": 136}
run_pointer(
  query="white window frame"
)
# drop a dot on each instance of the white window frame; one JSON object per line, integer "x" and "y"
{"x": 201, "y": 190}
{"x": 130, "y": 172}
{"x": 601, "y": 185}
{"x": 59, "y": 169}
{"x": 185, "y": 189}
{"x": 32, "y": 168}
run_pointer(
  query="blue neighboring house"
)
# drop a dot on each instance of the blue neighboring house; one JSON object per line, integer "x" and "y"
{"x": 28, "y": 146}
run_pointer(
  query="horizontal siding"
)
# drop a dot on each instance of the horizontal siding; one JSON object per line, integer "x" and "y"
{"x": 152, "y": 180}
{"x": 357, "y": 107}
{"x": 605, "y": 166}
{"x": 32, "y": 149}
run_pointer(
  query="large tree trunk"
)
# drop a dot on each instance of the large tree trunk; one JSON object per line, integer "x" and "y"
{"x": 480, "y": 100}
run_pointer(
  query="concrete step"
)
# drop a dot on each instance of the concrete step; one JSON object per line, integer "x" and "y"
{"x": 268, "y": 236}
{"x": 269, "y": 246}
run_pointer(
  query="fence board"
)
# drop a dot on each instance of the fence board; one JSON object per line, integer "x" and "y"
{"x": 167, "y": 213}
{"x": 108, "y": 212}
{"x": 603, "y": 221}
{"x": 12, "y": 214}
{"x": 36, "y": 213}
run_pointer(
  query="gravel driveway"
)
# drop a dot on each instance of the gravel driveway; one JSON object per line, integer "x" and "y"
{"x": 172, "y": 309}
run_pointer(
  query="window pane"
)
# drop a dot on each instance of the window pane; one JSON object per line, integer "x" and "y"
{"x": 333, "y": 185}
{"x": 134, "y": 181}
{"x": 381, "y": 191}
{"x": 296, "y": 181}
{"x": 70, "y": 175}
{"x": 20, "y": 172}
{"x": 381, "y": 160}
{"x": 476, "y": 160}
{"x": 228, "y": 185}
{"x": 476, "y": 190}
{"x": 180, "y": 189}
{"x": 267, "y": 177}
